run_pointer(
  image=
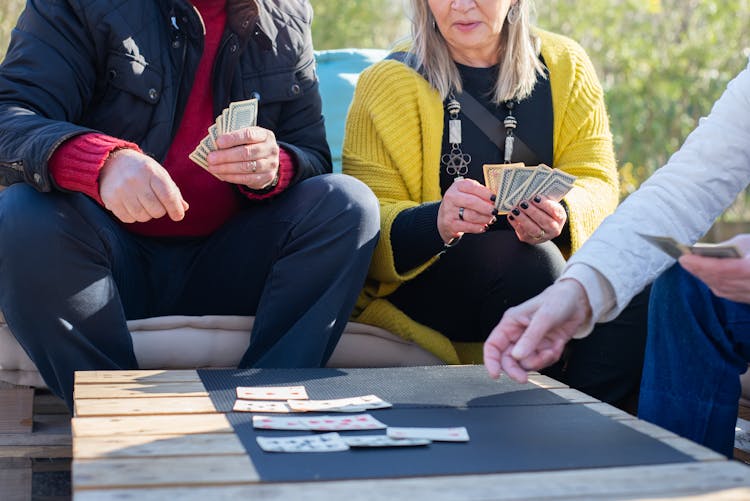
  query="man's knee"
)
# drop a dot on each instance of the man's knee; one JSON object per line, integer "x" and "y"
{"x": 349, "y": 201}
{"x": 24, "y": 214}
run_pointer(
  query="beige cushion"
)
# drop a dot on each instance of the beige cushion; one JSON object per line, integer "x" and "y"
{"x": 182, "y": 342}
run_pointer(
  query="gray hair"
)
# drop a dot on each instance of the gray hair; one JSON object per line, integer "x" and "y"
{"x": 519, "y": 55}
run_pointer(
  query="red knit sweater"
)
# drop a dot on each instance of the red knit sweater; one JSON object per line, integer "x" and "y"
{"x": 75, "y": 165}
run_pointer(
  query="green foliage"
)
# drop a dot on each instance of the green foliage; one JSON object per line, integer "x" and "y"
{"x": 9, "y": 11}
{"x": 358, "y": 23}
{"x": 662, "y": 64}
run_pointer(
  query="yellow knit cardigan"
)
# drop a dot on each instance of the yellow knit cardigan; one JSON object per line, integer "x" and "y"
{"x": 392, "y": 143}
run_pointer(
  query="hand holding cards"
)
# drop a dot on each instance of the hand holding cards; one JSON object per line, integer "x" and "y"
{"x": 514, "y": 183}
{"x": 239, "y": 115}
{"x": 677, "y": 249}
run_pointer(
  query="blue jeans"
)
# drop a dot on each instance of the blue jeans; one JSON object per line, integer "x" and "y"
{"x": 698, "y": 346}
{"x": 71, "y": 275}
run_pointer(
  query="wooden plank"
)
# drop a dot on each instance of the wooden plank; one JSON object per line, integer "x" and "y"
{"x": 36, "y": 451}
{"x": 723, "y": 480}
{"x": 16, "y": 410}
{"x": 15, "y": 478}
{"x": 574, "y": 396}
{"x": 150, "y": 425}
{"x": 140, "y": 390}
{"x": 546, "y": 381}
{"x": 150, "y": 377}
{"x": 131, "y": 472}
{"x": 610, "y": 411}
{"x": 49, "y": 430}
{"x": 697, "y": 451}
{"x": 143, "y": 406}
{"x": 214, "y": 444}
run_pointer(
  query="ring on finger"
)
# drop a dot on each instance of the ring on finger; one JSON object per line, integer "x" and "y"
{"x": 253, "y": 166}
{"x": 461, "y": 213}
{"x": 540, "y": 236}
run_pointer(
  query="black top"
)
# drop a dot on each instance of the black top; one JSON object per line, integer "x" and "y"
{"x": 414, "y": 234}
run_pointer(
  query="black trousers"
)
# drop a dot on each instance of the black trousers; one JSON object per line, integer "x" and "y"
{"x": 70, "y": 276}
{"x": 465, "y": 293}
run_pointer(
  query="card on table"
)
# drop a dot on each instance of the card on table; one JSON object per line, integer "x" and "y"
{"x": 321, "y": 423}
{"x": 326, "y": 442}
{"x": 351, "y": 404}
{"x": 457, "y": 434}
{"x": 384, "y": 441}
{"x": 272, "y": 393}
{"x": 261, "y": 406}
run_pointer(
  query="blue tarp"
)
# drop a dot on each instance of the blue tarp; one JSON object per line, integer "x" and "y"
{"x": 338, "y": 71}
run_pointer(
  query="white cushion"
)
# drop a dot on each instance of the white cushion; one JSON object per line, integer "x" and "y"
{"x": 183, "y": 342}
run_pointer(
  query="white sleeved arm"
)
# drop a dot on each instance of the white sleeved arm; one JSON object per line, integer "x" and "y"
{"x": 682, "y": 200}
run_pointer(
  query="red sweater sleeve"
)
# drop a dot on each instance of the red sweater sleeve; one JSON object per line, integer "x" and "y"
{"x": 286, "y": 174}
{"x": 75, "y": 164}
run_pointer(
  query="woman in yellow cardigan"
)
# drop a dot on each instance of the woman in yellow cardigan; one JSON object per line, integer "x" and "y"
{"x": 446, "y": 268}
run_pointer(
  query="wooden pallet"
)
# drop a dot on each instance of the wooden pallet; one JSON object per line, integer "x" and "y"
{"x": 35, "y": 445}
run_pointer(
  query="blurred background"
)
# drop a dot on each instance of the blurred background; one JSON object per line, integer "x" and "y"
{"x": 662, "y": 64}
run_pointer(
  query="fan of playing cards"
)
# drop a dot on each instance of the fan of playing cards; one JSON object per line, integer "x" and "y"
{"x": 239, "y": 115}
{"x": 288, "y": 399}
{"x": 514, "y": 183}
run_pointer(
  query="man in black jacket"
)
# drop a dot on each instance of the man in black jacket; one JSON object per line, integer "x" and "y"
{"x": 107, "y": 219}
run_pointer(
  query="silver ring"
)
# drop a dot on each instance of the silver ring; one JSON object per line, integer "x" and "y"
{"x": 461, "y": 213}
{"x": 540, "y": 236}
{"x": 253, "y": 166}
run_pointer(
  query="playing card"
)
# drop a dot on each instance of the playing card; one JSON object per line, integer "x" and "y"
{"x": 557, "y": 185}
{"x": 213, "y": 135}
{"x": 436, "y": 434}
{"x": 197, "y": 157}
{"x": 492, "y": 173}
{"x": 667, "y": 244}
{"x": 261, "y": 406}
{"x": 352, "y": 404}
{"x": 676, "y": 249}
{"x": 272, "y": 393}
{"x": 326, "y": 442}
{"x": 242, "y": 114}
{"x": 384, "y": 441}
{"x": 322, "y": 423}
{"x": 517, "y": 185}
{"x": 717, "y": 251}
{"x": 535, "y": 182}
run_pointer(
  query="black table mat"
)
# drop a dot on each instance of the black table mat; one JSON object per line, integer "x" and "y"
{"x": 513, "y": 428}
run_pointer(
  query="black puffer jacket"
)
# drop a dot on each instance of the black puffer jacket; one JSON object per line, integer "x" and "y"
{"x": 125, "y": 68}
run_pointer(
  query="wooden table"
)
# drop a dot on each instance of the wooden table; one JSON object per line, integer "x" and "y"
{"x": 156, "y": 435}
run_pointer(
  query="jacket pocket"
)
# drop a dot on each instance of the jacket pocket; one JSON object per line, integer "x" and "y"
{"x": 282, "y": 85}
{"x": 126, "y": 104}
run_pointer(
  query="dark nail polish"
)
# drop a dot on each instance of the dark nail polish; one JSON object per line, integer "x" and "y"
{"x": 516, "y": 212}
{"x": 524, "y": 205}
{"x": 493, "y": 198}
{"x": 537, "y": 199}
{"x": 494, "y": 212}
{"x": 511, "y": 218}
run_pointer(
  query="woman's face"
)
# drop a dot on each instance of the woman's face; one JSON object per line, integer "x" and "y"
{"x": 471, "y": 28}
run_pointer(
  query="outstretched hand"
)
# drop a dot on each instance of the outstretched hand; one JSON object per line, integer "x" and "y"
{"x": 532, "y": 335}
{"x": 135, "y": 187}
